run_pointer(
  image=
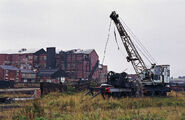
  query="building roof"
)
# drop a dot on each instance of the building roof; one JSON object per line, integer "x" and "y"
{"x": 27, "y": 71}
{"x": 51, "y": 73}
{"x": 8, "y": 67}
{"x": 80, "y": 51}
{"x": 41, "y": 51}
{"x": 24, "y": 51}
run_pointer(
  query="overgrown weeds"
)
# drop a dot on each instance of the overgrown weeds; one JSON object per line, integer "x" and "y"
{"x": 62, "y": 106}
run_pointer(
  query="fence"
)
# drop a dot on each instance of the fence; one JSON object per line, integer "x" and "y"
{"x": 27, "y": 85}
{"x": 50, "y": 87}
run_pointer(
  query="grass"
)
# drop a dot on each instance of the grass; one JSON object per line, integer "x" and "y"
{"x": 63, "y": 106}
{"x": 18, "y": 94}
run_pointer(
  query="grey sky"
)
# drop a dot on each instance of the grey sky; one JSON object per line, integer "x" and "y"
{"x": 68, "y": 24}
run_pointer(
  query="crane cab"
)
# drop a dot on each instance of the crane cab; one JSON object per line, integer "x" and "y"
{"x": 161, "y": 74}
{"x": 157, "y": 74}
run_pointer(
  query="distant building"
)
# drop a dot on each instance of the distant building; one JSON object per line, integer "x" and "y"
{"x": 5, "y": 59}
{"x": 177, "y": 84}
{"x": 80, "y": 64}
{"x": 25, "y": 59}
{"x": 46, "y": 66}
{"x": 28, "y": 76}
{"x": 9, "y": 73}
{"x": 51, "y": 75}
{"x": 181, "y": 77}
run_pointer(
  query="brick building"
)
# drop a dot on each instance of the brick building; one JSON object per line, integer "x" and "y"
{"x": 5, "y": 59}
{"x": 77, "y": 64}
{"x": 28, "y": 75}
{"x": 25, "y": 59}
{"x": 80, "y": 64}
{"x": 10, "y": 73}
{"x": 51, "y": 75}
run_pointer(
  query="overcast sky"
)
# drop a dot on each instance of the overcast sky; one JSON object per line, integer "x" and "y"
{"x": 69, "y": 24}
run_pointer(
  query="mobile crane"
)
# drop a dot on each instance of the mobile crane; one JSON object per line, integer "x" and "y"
{"x": 154, "y": 80}
{"x": 151, "y": 81}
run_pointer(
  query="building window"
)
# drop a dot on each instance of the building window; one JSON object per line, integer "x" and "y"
{"x": 85, "y": 57}
{"x": 17, "y": 73}
{"x": 6, "y": 71}
{"x": 23, "y": 75}
{"x": 62, "y": 66}
{"x": 35, "y": 58}
{"x": 68, "y": 66}
{"x": 48, "y": 80}
{"x": 24, "y": 80}
{"x": 72, "y": 65}
{"x": 44, "y": 57}
{"x": 17, "y": 79}
{"x": 30, "y": 57}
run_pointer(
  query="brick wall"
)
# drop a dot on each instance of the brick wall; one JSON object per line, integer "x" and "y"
{"x": 4, "y": 59}
{"x": 78, "y": 65}
{"x": 13, "y": 75}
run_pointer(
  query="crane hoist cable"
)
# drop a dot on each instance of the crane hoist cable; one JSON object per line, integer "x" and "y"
{"x": 116, "y": 38}
{"x": 108, "y": 36}
{"x": 139, "y": 43}
{"x": 135, "y": 46}
{"x": 119, "y": 48}
{"x": 144, "y": 50}
{"x": 143, "y": 54}
{"x": 149, "y": 60}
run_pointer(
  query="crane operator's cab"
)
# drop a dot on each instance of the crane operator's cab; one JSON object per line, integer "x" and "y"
{"x": 157, "y": 74}
{"x": 156, "y": 80}
{"x": 161, "y": 74}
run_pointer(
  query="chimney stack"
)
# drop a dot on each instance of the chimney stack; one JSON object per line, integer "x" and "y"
{"x": 51, "y": 58}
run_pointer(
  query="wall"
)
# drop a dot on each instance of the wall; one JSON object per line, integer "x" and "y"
{"x": 24, "y": 61}
{"x": 1, "y": 74}
{"x": 49, "y": 79}
{"x": 50, "y": 87}
{"x": 79, "y": 65}
{"x": 4, "y": 59}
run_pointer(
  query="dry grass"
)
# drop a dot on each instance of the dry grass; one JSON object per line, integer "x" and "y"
{"x": 17, "y": 94}
{"x": 62, "y": 106}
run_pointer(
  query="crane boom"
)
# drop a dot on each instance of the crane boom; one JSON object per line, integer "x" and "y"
{"x": 133, "y": 55}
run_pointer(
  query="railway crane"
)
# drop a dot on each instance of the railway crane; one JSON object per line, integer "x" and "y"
{"x": 150, "y": 81}
{"x": 154, "y": 80}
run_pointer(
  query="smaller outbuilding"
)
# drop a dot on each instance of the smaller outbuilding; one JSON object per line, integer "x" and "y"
{"x": 8, "y": 73}
{"x": 28, "y": 75}
{"x": 51, "y": 75}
